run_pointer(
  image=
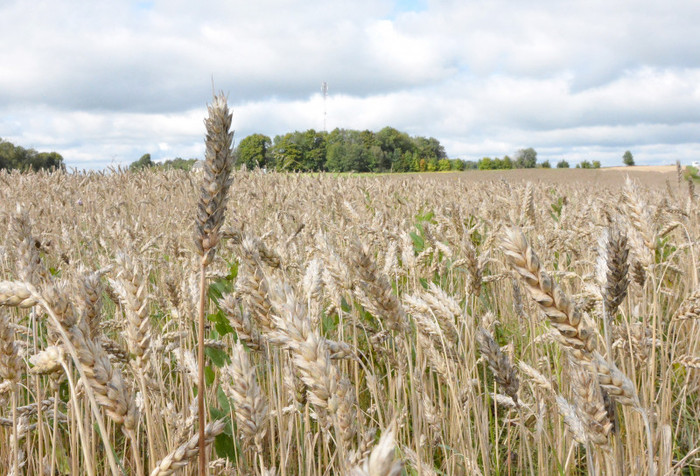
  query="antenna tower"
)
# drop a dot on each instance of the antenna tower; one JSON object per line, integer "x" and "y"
{"x": 324, "y": 91}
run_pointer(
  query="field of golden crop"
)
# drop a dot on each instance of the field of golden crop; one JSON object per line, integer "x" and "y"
{"x": 364, "y": 326}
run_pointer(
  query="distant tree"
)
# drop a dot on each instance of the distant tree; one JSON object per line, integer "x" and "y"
{"x": 17, "y": 157}
{"x": 562, "y": 164}
{"x": 287, "y": 152}
{"x": 178, "y": 163}
{"x": 252, "y": 151}
{"x": 457, "y": 164}
{"x": 596, "y": 164}
{"x": 390, "y": 139}
{"x": 470, "y": 165}
{"x": 143, "y": 163}
{"x": 526, "y": 159}
{"x": 485, "y": 163}
{"x": 313, "y": 145}
{"x": 343, "y": 150}
{"x": 546, "y": 165}
{"x": 432, "y": 164}
{"x": 430, "y": 148}
{"x": 627, "y": 158}
{"x": 444, "y": 165}
{"x": 586, "y": 164}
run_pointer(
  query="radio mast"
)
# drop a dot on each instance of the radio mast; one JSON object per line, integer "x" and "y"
{"x": 324, "y": 91}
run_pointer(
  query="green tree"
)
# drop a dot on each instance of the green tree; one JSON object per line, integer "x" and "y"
{"x": 179, "y": 164}
{"x": 444, "y": 165}
{"x": 485, "y": 163}
{"x": 252, "y": 151}
{"x": 457, "y": 164}
{"x": 526, "y": 159}
{"x": 562, "y": 164}
{"x": 143, "y": 163}
{"x": 432, "y": 164}
{"x": 596, "y": 164}
{"x": 627, "y": 158}
{"x": 429, "y": 148}
{"x": 287, "y": 153}
{"x": 17, "y": 157}
{"x": 546, "y": 165}
{"x": 586, "y": 164}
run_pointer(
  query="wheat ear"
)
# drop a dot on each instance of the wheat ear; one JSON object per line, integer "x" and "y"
{"x": 556, "y": 305}
{"x": 248, "y": 398}
{"x": 381, "y": 461}
{"x": 16, "y": 294}
{"x": 187, "y": 451}
{"x": 503, "y": 371}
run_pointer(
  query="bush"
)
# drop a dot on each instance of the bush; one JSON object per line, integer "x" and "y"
{"x": 562, "y": 164}
{"x": 546, "y": 165}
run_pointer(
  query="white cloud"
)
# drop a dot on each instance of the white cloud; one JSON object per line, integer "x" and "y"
{"x": 113, "y": 80}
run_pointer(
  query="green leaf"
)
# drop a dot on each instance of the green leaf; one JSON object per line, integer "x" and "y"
{"x": 225, "y": 447}
{"x": 330, "y": 323}
{"x": 218, "y": 414}
{"x": 221, "y": 323}
{"x": 217, "y": 356}
{"x": 344, "y": 305}
{"x": 418, "y": 242}
{"x": 233, "y": 271}
{"x": 223, "y": 400}
{"x": 218, "y": 288}
{"x": 209, "y": 375}
{"x": 423, "y": 282}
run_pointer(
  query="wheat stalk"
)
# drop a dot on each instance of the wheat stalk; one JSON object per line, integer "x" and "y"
{"x": 218, "y": 163}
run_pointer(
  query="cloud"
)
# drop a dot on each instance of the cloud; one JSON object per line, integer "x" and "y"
{"x": 117, "y": 79}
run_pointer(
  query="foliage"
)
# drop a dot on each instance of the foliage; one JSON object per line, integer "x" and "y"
{"x": 562, "y": 164}
{"x": 346, "y": 150}
{"x": 691, "y": 173}
{"x": 526, "y": 159}
{"x": 487, "y": 163}
{"x": 252, "y": 151}
{"x": 627, "y": 158}
{"x": 17, "y": 157}
{"x": 146, "y": 162}
{"x": 178, "y": 163}
{"x": 143, "y": 163}
{"x": 546, "y": 165}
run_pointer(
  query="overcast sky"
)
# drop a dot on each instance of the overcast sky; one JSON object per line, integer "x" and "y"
{"x": 103, "y": 82}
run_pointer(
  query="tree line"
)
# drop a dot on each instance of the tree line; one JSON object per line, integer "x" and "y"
{"x": 525, "y": 159}
{"x": 146, "y": 162}
{"x": 14, "y": 157}
{"x": 345, "y": 150}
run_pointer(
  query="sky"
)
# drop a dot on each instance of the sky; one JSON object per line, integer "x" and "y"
{"x": 104, "y": 82}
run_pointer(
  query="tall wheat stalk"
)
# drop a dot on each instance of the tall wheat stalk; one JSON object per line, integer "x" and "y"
{"x": 218, "y": 162}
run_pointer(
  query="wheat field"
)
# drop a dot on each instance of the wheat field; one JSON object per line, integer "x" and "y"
{"x": 354, "y": 325}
